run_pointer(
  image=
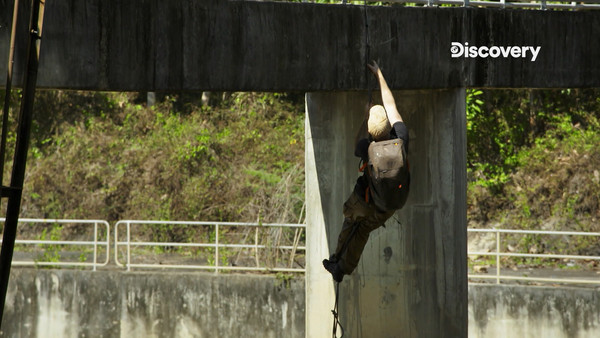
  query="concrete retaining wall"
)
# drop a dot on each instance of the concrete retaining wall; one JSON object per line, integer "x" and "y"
{"x": 528, "y": 311}
{"x": 67, "y": 303}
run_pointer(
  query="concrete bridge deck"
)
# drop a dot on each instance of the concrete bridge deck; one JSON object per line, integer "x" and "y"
{"x": 278, "y": 46}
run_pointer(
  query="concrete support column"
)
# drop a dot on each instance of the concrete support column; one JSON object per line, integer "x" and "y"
{"x": 412, "y": 278}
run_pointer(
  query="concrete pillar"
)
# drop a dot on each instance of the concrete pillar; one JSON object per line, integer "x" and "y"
{"x": 412, "y": 278}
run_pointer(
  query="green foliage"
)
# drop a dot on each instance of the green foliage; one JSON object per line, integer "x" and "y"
{"x": 284, "y": 280}
{"x": 109, "y": 156}
{"x": 547, "y": 178}
{"x": 492, "y": 138}
{"x": 533, "y": 157}
{"x": 51, "y": 252}
{"x": 502, "y": 123}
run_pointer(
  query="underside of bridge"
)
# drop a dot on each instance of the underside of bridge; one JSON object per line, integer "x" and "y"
{"x": 412, "y": 278}
{"x": 278, "y": 46}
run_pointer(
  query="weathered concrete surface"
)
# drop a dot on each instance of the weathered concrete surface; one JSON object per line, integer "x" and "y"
{"x": 527, "y": 311}
{"x": 411, "y": 280}
{"x": 255, "y": 45}
{"x": 69, "y": 303}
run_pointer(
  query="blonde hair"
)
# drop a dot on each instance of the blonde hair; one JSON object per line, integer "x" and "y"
{"x": 378, "y": 125}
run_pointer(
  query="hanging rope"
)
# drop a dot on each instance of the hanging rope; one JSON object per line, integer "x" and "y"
{"x": 336, "y": 317}
{"x": 367, "y": 51}
{"x": 336, "y": 321}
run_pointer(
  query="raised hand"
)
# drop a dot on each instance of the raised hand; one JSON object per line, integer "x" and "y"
{"x": 374, "y": 68}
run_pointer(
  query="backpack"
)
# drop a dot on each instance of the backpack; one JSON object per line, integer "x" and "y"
{"x": 388, "y": 174}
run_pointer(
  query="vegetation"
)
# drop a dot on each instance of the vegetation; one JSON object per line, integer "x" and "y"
{"x": 109, "y": 156}
{"x": 533, "y": 159}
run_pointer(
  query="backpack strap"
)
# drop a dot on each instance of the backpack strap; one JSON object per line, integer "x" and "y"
{"x": 362, "y": 168}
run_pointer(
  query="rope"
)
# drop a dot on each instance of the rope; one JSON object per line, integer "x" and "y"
{"x": 367, "y": 52}
{"x": 336, "y": 321}
{"x": 336, "y": 317}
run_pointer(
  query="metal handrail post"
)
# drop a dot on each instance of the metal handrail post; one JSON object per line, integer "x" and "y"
{"x": 497, "y": 257}
{"x": 95, "y": 246}
{"x": 107, "y": 243}
{"x": 128, "y": 246}
{"x": 217, "y": 248}
{"x": 256, "y": 247}
{"x": 117, "y": 244}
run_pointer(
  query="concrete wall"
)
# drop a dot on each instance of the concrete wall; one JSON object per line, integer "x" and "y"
{"x": 262, "y": 45}
{"x": 411, "y": 280}
{"x": 70, "y": 303}
{"x": 528, "y": 311}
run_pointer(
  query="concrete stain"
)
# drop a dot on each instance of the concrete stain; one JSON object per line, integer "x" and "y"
{"x": 387, "y": 254}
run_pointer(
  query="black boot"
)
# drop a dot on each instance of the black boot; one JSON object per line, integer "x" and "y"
{"x": 334, "y": 268}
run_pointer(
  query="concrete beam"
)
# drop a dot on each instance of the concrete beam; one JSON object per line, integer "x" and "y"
{"x": 251, "y": 45}
{"x": 412, "y": 278}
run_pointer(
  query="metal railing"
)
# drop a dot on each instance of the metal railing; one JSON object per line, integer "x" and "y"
{"x": 498, "y": 254}
{"x": 515, "y": 4}
{"x": 53, "y": 250}
{"x": 219, "y": 247}
{"x": 519, "y": 4}
{"x": 222, "y": 244}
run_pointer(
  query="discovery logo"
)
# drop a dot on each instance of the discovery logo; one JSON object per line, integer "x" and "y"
{"x": 459, "y": 49}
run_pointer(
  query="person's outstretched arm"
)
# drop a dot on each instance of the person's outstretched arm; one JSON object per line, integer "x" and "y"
{"x": 386, "y": 95}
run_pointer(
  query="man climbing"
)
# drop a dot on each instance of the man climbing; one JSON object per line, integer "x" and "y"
{"x": 382, "y": 188}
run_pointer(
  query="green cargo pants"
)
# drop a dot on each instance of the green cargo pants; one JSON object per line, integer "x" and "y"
{"x": 364, "y": 217}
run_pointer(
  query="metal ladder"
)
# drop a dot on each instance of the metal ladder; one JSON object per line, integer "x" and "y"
{"x": 13, "y": 192}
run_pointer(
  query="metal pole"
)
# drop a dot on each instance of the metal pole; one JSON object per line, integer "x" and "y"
{"x": 217, "y": 248}
{"x": 128, "y": 246}
{"x": 95, "y": 245}
{"x": 20, "y": 156}
{"x": 497, "y": 257}
{"x": 9, "y": 70}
